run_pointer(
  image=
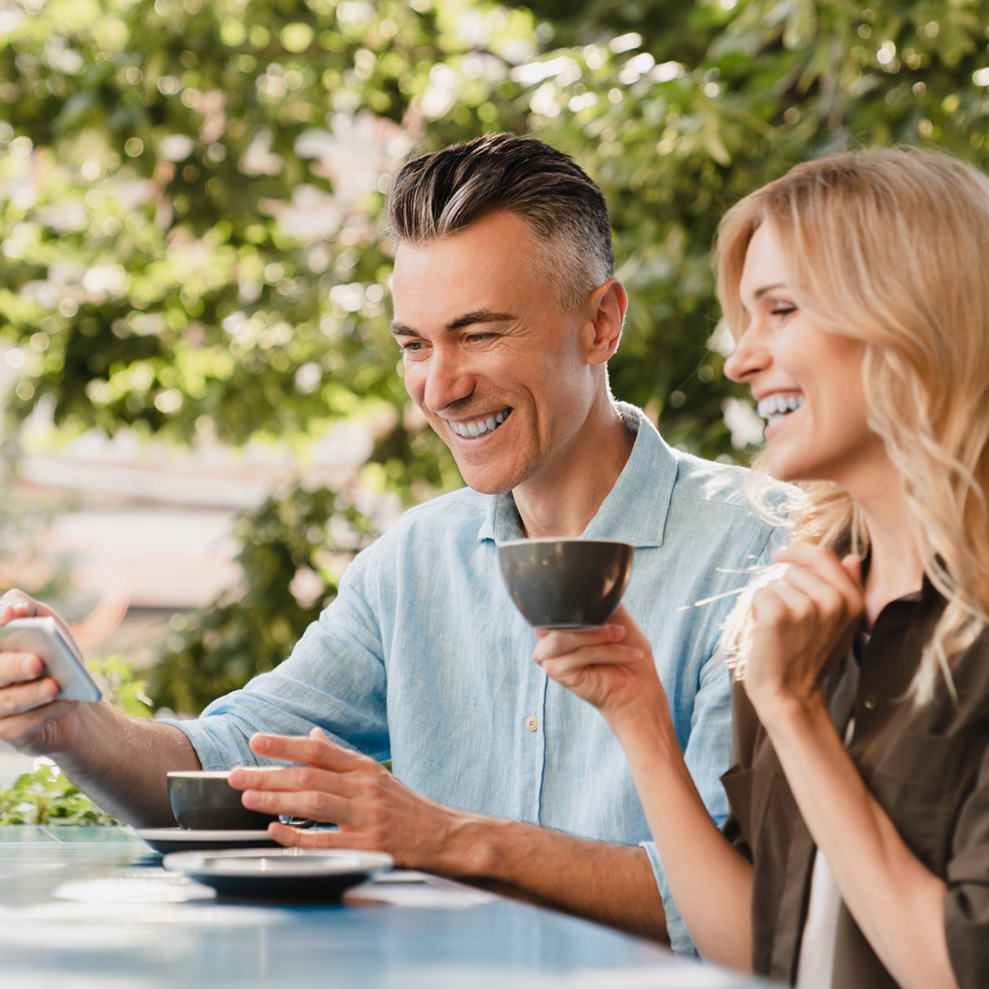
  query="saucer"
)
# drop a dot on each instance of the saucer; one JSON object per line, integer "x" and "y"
{"x": 289, "y": 874}
{"x": 184, "y": 839}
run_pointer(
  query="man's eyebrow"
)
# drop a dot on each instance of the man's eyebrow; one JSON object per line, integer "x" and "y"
{"x": 468, "y": 319}
{"x": 480, "y": 316}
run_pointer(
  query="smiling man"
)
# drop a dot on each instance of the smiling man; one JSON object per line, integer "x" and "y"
{"x": 507, "y": 311}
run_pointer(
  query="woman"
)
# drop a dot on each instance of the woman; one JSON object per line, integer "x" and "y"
{"x": 857, "y": 850}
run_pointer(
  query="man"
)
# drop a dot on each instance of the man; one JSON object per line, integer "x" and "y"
{"x": 507, "y": 311}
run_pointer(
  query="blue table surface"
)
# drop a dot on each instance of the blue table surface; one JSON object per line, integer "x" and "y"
{"x": 92, "y": 908}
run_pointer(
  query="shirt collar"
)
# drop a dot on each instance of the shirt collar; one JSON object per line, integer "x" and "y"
{"x": 625, "y": 514}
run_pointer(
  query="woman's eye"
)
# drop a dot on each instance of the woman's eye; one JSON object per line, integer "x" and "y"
{"x": 783, "y": 310}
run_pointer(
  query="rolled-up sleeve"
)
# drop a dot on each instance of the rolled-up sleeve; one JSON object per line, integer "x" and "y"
{"x": 334, "y": 679}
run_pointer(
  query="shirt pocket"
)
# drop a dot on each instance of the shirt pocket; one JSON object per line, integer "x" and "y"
{"x": 919, "y": 782}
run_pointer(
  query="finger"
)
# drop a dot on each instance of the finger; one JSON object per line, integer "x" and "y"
{"x": 827, "y": 600}
{"x": 767, "y": 606}
{"x": 287, "y": 779}
{"x": 310, "y": 749}
{"x": 824, "y": 562}
{"x": 19, "y": 667}
{"x": 21, "y": 729}
{"x": 16, "y": 604}
{"x": 558, "y": 643}
{"x": 26, "y": 697}
{"x": 591, "y": 656}
{"x": 313, "y": 804}
{"x": 292, "y": 837}
{"x": 831, "y": 586}
{"x": 852, "y": 565}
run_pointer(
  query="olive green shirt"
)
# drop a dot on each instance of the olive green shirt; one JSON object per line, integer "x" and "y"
{"x": 928, "y": 767}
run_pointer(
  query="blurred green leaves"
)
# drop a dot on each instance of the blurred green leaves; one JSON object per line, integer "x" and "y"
{"x": 190, "y": 192}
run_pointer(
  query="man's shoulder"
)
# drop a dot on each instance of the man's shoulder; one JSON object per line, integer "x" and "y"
{"x": 448, "y": 515}
{"x": 729, "y": 486}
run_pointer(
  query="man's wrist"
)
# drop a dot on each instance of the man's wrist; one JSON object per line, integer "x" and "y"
{"x": 472, "y": 848}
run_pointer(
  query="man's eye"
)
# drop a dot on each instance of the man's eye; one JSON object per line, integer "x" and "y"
{"x": 412, "y": 346}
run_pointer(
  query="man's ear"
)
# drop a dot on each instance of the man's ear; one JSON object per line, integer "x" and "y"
{"x": 606, "y": 315}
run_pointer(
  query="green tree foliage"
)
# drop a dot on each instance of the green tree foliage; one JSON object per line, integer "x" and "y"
{"x": 190, "y": 191}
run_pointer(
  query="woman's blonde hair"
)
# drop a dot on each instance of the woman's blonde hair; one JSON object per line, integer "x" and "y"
{"x": 891, "y": 247}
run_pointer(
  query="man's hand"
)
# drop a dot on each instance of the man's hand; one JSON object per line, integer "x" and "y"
{"x": 372, "y": 809}
{"x": 30, "y": 718}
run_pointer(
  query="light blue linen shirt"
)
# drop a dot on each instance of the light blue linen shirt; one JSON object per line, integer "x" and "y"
{"x": 423, "y": 659}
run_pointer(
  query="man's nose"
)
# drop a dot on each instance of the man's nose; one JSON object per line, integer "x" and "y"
{"x": 449, "y": 379}
{"x": 750, "y": 356}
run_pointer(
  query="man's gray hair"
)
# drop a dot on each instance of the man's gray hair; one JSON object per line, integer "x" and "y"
{"x": 442, "y": 193}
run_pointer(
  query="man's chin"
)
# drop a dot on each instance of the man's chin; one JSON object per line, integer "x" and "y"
{"x": 484, "y": 482}
{"x": 486, "y": 487}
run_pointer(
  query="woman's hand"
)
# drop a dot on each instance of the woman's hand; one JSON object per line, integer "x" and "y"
{"x": 803, "y": 623}
{"x": 611, "y": 667}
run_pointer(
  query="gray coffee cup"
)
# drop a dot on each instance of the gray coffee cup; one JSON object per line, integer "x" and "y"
{"x": 205, "y": 801}
{"x": 566, "y": 583}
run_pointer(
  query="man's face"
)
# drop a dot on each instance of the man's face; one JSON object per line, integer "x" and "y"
{"x": 497, "y": 369}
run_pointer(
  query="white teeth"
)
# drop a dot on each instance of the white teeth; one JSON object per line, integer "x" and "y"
{"x": 471, "y": 430}
{"x": 775, "y": 407}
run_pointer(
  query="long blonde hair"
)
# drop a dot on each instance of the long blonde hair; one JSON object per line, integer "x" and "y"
{"x": 891, "y": 247}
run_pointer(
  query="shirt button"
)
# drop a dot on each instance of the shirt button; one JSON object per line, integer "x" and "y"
{"x": 532, "y": 723}
{"x": 871, "y": 702}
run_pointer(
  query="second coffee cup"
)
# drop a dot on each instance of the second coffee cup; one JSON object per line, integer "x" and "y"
{"x": 204, "y": 800}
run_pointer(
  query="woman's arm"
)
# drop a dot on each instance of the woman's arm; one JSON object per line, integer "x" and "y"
{"x": 802, "y": 622}
{"x": 613, "y": 669}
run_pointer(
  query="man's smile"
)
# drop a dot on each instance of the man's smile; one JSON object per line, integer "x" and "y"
{"x": 472, "y": 428}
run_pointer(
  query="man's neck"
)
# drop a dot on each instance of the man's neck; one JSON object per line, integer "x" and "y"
{"x": 563, "y": 503}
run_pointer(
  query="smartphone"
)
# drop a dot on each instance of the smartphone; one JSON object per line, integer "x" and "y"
{"x": 44, "y": 638}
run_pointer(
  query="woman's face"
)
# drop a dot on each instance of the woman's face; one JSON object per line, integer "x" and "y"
{"x": 806, "y": 382}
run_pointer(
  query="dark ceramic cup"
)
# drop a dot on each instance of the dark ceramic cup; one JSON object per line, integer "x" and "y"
{"x": 566, "y": 583}
{"x": 205, "y": 801}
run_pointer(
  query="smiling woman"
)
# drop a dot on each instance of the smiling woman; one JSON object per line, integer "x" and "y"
{"x": 857, "y": 852}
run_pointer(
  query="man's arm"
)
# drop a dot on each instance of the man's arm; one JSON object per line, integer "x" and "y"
{"x": 610, "y": 884}
{"x": 613, "y": 884}
{"x": 121, "y": 762}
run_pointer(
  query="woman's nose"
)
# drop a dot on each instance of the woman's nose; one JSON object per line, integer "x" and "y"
{"x": 750, "y": 356}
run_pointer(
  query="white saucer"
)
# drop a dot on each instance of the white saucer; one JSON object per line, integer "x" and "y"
{"x": 281, "y": 873}
{"x": 184, "y": 839}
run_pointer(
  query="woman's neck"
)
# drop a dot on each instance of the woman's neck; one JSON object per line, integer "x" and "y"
{"x": 895, "y": 565}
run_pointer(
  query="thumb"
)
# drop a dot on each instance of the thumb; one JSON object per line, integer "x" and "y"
{"x": 852, "y": 565}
